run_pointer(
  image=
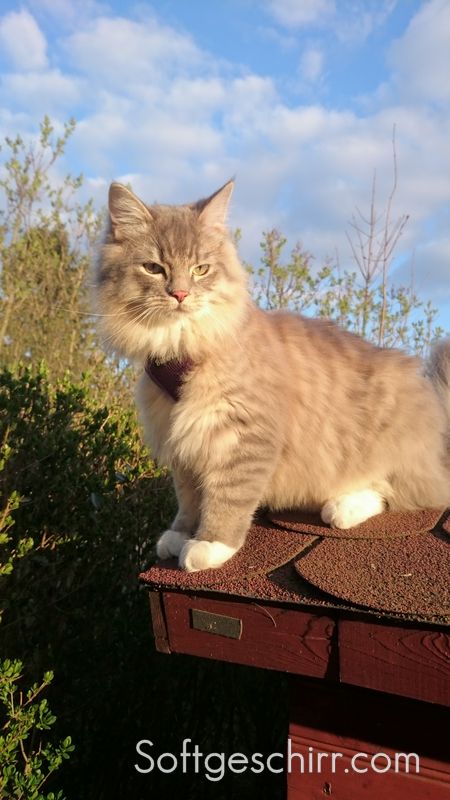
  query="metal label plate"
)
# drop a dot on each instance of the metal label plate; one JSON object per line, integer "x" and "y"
{"x": 231, "y": 627}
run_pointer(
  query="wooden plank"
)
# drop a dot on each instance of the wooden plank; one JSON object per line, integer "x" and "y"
{"x": 343, "y": 722}
{"x": 159, "y": 623}
{"x": 409, "y": 662}
{"x": 335, "y": 772}
{"x": 365, "y": 715}
{"x": 271, "y": 637}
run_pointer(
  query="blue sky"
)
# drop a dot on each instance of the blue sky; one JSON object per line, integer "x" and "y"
{"x": 297, "y": 98}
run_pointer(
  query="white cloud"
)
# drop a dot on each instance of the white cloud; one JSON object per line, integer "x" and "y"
{"x": 349, "y": 21}
{"x": 428, "y": 270}
{"x": 312, "y": 64}
{"x": 162, "y": 113}
{"x": 248, "y": 105}
{"x": 22, "y": 41}
{"x": 121, "y": 53}
{"x": 420, "y": 59}
{"x": 359, "y": 19}
{"x": 47, "y": 91}
{"x": 68, "y": 11}
{"x": 300, "y": 13}
{"x": 201, "y": 95}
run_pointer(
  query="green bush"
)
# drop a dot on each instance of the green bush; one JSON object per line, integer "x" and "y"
{"x": 25, "y": 764}
{"x": 92, "y": 503}
{"x": 82, "y": 531}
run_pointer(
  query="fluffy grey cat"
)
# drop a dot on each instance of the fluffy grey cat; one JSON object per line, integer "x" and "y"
{"x": 254, "y": 408}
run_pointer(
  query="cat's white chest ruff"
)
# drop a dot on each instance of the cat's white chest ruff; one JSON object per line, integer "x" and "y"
{"x": 199, "y": 431}
{"x": 193, "y": 431}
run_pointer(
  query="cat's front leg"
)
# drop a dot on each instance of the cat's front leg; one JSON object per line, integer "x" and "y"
{"x": 171, "y": 542}
{"x": 221, "y": 533}
{"x": 230, "y": 498}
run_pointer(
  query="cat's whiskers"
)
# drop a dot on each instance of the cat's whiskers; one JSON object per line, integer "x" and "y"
{"x": 84, "y": 313}
{"x": 118, "y": 330}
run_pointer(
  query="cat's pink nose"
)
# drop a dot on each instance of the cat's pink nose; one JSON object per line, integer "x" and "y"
{"x": 179, "y": 295}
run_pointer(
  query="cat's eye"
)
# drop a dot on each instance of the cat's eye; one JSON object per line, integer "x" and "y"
{"x": 153, "y": 268}
{"x": 202, "y": 269}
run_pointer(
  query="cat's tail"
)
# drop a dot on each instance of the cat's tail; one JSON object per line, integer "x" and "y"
{"x": 437, "y": 368}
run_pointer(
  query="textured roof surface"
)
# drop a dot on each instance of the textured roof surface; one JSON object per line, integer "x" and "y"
{"x": 395, "y": 565}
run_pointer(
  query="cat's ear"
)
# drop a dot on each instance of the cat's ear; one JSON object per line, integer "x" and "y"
{"x": 213, "y": 210}
{"x": 127, "y": 213}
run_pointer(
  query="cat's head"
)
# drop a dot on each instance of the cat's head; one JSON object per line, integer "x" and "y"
{"x": 168, "y": 279}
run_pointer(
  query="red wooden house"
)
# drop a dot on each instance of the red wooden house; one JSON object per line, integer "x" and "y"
{"x": 361, "y": 621}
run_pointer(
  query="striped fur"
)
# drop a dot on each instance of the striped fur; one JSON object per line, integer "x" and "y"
{"x": 279, "y": 410}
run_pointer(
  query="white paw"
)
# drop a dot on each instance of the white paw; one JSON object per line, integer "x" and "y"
{"x": 349, "y": 510}
{"x": 197, "y": 555}
{"x": 170, "y": 543}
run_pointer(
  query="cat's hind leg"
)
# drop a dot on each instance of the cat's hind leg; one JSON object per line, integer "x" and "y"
{"x": 347, "y": 510}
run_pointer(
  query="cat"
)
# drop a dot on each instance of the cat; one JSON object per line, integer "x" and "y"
{"x": 260, "y": 408}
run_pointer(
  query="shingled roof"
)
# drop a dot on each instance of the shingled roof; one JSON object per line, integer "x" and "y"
{"x": 396, "y": 565}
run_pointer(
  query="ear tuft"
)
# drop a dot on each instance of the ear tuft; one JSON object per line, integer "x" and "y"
{"x": 213, "y": 210}
{"x": 126, "y": 211}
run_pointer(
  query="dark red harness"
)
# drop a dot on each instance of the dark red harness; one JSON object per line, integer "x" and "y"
{"x": 170, "y": 375}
